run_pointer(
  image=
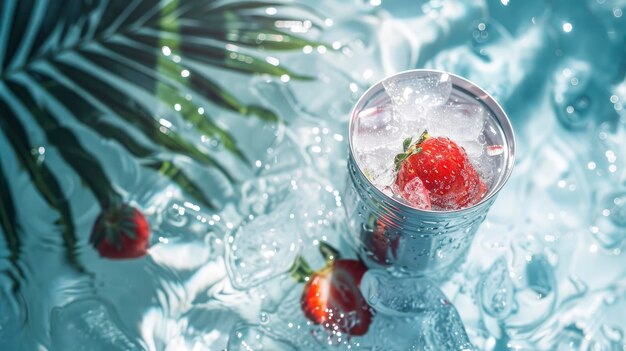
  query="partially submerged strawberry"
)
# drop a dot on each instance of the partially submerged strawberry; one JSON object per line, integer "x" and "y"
{"x": 332, "y": 296}
{"x": 444, "y": 169}
{"x": 121, "y": 232}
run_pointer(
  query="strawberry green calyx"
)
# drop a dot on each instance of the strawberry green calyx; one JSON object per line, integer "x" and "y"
{"x": 301, "y": 271}
{"x": 410, "y": 148}
{"x": 114, "y": 221}
{"x": 120, "y": 232}
{"x": 329, "y": 253}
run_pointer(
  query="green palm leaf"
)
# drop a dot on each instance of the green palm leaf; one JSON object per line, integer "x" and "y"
{"x": 171, "y": 96}
{"x": 71, "y": 150}
{"x": 8, "y": 220}
{"x": 89, "y": 115}
{"x": 42, "y": 177}
{"x": 178, "y": 176}
{"x": 199, "y": 83}
{"x": 214, "y": 54}
{"x": 87, "y": 57}
{"x": 138, "y": 115}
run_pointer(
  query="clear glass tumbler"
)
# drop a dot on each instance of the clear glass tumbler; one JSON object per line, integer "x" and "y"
{"x": 388, "y": 232}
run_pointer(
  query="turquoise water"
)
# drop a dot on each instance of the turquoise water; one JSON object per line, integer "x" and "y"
{"x": 546, "y": 270}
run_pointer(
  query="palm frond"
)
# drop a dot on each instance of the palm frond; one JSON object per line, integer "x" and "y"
{"x": 207, "y": 52}
{"x": 71, "y": 150}
{"x": 42, "y": 177}
{"x": 90, "y": 116}
{"x": 178, "y": 176}
{"x": 131, "y": 111}
{"x": 198, "y": 82}
{"x": 89, "y": 57}
{"x": 171, "y": 96}
{"x": 8, "y": 219}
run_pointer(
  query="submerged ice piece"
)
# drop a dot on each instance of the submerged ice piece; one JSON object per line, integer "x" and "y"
{"x": 495, "y": 290}
{"x": 472, "y": 133}
{"x": 264, "y": 247}
{"x": 89, "y": 324}
{"x": 409, "y": 92}
{"x": 437, "y": 323}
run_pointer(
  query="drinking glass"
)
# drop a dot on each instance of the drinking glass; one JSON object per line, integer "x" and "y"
{"x": 388, "y": 232}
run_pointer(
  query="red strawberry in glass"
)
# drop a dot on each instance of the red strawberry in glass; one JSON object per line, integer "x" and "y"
{"x": 444, "y": 170}
{"x": 382, "y": 246}
{"x": 121, "y": 232}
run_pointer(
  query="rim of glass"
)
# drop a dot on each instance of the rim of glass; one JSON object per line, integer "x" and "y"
{"x": 474, "y": 91}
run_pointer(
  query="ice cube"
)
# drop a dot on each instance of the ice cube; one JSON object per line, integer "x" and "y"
{"x": 378, "y": 166}
{"x": 185, "y": 237}
{"x": 474, "y": 149}
{"x": 89, "y": 324}
{"x": 376, "y": 127}
{"x": 444, "y": 330}
{"x": 459, "y": 122}
{"x": 264, "y": 247}
{"x": 400, "y": 297}
{"x": 440, "y": 326}
{"x": 208, "y": 327}
{"x": 495, "y": 290}
{"x": 413, "y": 97}
{"x": 416, "y": 194}
{"x": 321, "y": 216}
{"x": 263, "y": 195}
{"x": 186, "y": 222}
{"x": 246, "y": 337}
{"x": 535, "y": 290}
{"x": 432, "y": 89}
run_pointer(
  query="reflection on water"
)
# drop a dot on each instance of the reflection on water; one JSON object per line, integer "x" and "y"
{"x": 546, "y": 270}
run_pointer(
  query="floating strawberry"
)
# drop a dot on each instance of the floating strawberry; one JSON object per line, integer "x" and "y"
{"x": 121, "y": 232}
{"x": 332, "y": 297}
{"x": 445, "y": 170}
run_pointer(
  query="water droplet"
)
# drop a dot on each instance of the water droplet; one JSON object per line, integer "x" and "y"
{"x": 264, "y": 318}
{"x": 175, "y": 215}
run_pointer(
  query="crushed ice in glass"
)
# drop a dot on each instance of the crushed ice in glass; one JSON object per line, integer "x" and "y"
{"x": 418, "y": 102}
